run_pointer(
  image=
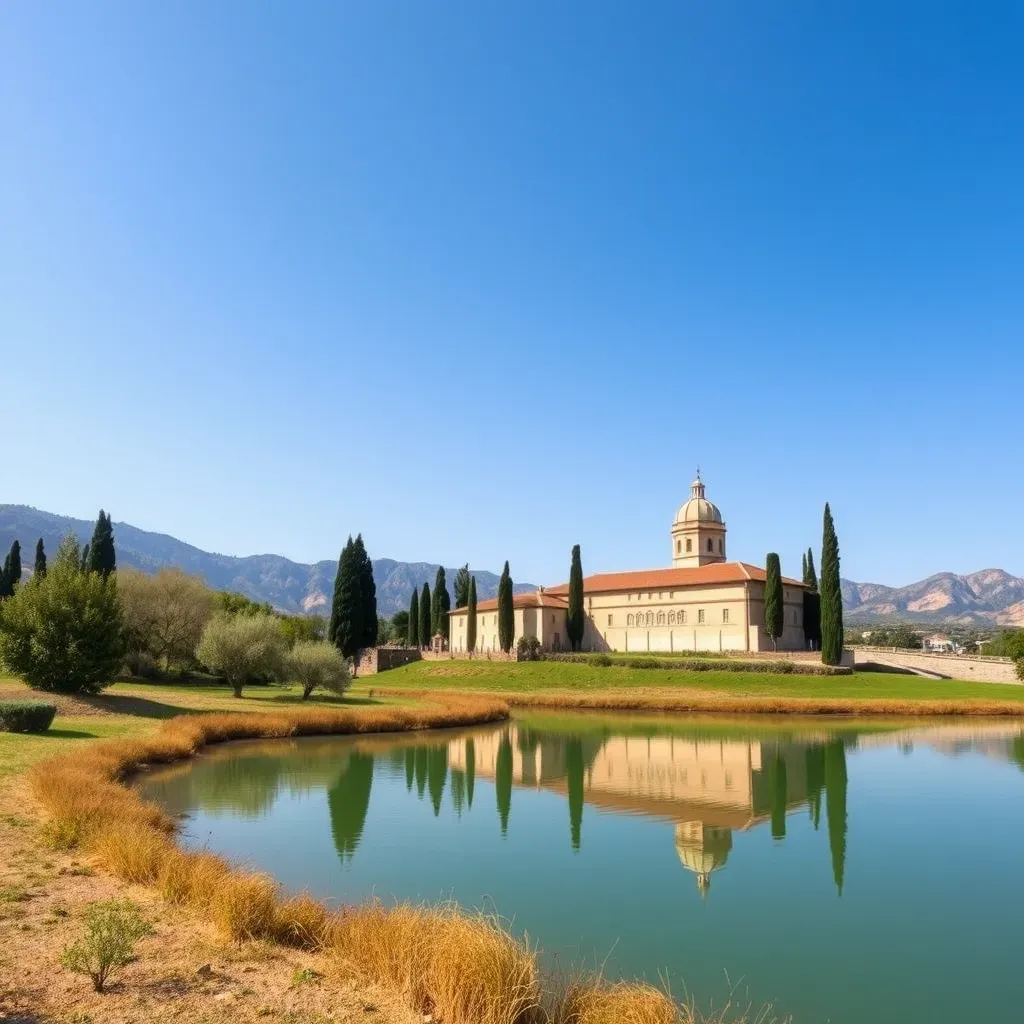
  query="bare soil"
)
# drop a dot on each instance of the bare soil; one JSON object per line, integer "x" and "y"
{"x": 183, "y": 971}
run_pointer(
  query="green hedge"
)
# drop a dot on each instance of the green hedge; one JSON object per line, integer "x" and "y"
{"x": 26, "y": 715}
{"x": 704, "y": 662}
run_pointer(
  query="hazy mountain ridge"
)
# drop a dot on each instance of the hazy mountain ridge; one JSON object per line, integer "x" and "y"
{"x": 288, "y": 586}
{"x": 987, "y": 597}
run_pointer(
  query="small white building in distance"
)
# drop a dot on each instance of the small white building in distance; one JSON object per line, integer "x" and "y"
{"x": 702, "y": 602}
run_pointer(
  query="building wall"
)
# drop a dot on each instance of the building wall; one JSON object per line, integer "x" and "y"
{"x": 727, "y": 617}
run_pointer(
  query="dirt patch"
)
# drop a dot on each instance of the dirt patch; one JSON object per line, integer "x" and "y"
{"x": 183, "y": 971}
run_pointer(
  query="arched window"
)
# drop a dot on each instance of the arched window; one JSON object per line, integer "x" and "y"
{"x": 719, "y": 545}
{"x": 629, "y": 620}
{"x": 679, "y": 546}
{"x": 661, "y": 618}
{"x": 671, "y": 618}
{"x": 700, "y": 614}
{"x": 682, "y": 619}
{"x": 650, "y": 618}
{"x": 689, "y": 545}
{"x": 711, "y": 546}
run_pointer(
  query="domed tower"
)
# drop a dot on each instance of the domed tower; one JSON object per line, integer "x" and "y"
{"x": 702, "y": 849}
{"x": 698, "y": 533}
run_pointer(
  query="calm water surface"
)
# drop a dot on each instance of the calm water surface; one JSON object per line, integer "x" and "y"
{"x": 843, "y": 874}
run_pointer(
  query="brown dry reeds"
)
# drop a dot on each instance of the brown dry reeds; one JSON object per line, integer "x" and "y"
{"x": 463, "y": 968}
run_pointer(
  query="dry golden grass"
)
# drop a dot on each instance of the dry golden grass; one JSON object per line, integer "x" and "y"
{"x": 462, "y": 968}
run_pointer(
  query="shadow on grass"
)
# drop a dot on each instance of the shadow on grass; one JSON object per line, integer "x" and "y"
{"x": 138, "y": 707}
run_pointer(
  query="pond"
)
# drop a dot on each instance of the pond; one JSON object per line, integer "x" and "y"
{"x": 842, "y": 872}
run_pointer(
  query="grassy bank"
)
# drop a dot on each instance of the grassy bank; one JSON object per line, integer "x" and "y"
{"x": 461, "y": 968}
{"x": 618, "y": 687}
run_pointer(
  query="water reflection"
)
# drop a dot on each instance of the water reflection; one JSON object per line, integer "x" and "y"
{"x": 710, "y": 786}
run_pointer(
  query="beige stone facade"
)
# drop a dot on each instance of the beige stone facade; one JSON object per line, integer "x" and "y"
{"x": 701, "y": 603}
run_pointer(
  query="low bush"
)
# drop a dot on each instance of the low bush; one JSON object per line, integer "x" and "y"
{"x": 112, "y": 927}
{"x": 26, "y": 715}
{"x": 702, "y": 661}
{"x": 528, "y": 648}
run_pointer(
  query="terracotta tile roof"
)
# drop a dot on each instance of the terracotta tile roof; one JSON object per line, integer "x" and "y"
{"x": 662, "y": 579}
{"x": 534, "y": 600}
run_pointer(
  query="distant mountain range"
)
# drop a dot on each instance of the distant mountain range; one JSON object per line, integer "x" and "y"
{"x": 988, "y": 597}
{"x": 289, "y": 586}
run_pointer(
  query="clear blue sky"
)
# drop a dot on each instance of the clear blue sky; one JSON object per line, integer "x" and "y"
{"x": 483, "y": 280}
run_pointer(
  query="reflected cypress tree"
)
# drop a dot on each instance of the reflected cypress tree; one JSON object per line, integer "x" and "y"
{"x": 470, "y": 772}
{"x": 349, "y": 800}
{"x": 574, "y": 777}
{"x": 437, "y": 775}
{"x": 421, "y": 771}
{"x": 410, "y": 768}
{"x": 778, "y": 796}
{"x": 458, "y": 790}
{"x": 1017, "y": 752}
{"x": 815, "y": 756}
{"x": 835, "y": 808}
{"x": 503, "y": 780}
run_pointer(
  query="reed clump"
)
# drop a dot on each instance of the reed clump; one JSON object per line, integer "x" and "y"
{"x": 594, "y": 1002}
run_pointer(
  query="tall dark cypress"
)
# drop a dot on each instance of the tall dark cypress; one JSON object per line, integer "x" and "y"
{"x": 425, "y": 635}
{"x": 471, "y": 616}
{"x": 85, "y": 558}
{"x": 810, "y": 576}
{"x": 574, "y": 783}
{"x": 574, "y": 620}
{"x": 442, "y": 605}
{"x": 437, "y": 775}
{"x": 506, "y": 613}
{"x": 503, "y": 780}
{"x": 6, "y": 586}
{"x": 102, "y": 557}
{"x": 332, "y": 625}
{"x": 803, "y": 567}
{"x": 470, "y": 772}
{"x": 367, "y": 594}
{"x": 831, "y": 594}
{"x": 773, "y": 608}
{"x": 414, "y": 619}
{"x": 779, "y": 785}
{"x": 14, "y": 570}
{"x": 39, "y": 570}
{"x": 348, "y": 633}
{"x": 461, "y": 585}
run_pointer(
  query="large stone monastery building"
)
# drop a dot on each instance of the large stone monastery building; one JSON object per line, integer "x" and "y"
{"x": 702, "y": 603}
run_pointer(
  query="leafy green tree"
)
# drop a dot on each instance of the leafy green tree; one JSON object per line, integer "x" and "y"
{"x": 112, "y": 927}
{"x": 239, "y": 604}
{"x": 831, "y": 594}
{"x": 317, "y": 664}
{"x": 65, "y": 632}
{"x": 425, "y": 633}
{"x": 414, "y": 619}
{"x": 102, "y": 558}
{"x": 242, "y": 648}
{"x": 39, "y": 569}
{"x": 400, "y": 626}
{"x": 471, "y": 618}
{"x": 773, "y": 609}
{"x": 506, "y": 612}
{"x": 810, "y": 577}
{"x": 575, "y": 622}
{"x": 296, "y": 628}
{"x": 462, "y": 586}
{"x": 367, "y": 595}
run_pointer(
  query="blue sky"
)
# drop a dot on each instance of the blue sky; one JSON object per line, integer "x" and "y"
{"x": 484, "y": 280}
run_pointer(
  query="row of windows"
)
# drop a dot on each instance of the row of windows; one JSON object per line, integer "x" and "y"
{"x": 689, "y": 546}
{"x": 671, "y": 618}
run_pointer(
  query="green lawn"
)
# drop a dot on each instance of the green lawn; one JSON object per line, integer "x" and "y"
{"x": 533, "y": 676}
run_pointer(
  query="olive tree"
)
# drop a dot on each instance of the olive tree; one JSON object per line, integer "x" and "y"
{"x": 164, "y": 615}
{"x": 242, "y": 648}
{"x": 317, "y": 663}
{"x": 63, "y": 631}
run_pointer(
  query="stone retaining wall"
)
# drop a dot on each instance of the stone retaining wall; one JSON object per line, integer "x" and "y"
{"x": 950, "y": 666}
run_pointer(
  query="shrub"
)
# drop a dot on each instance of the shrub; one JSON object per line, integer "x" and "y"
{"x": 63, "y": 632}
{"x": 242, "y": 647}
{"x": 528, "y": 648}
{"x": 1019, "y": 666}
{"x": 317, "y": 663}
{"x": 26, "y": 715}
{"x": 112, "y": 927}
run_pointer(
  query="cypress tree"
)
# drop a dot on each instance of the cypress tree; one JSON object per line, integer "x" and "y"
{"x": 574, "y": 621}
{"x": 470, "y": 772}
{"x": 414, "y": 619}
{"x": 14, "y": 569}
{"x": 367, "y": 594}
{"x": 332, "y": 625}
{"x": 803, "y": 567}
{"x": 349, "y": 632}
{"x": 471, "y": 618}
{"x": 102, "y": 558}
{"x": 461, "y": 586}
{"x": 85, "y": 558}
{"x": 831, "y": 594}
{"x": 773, "y": 610}
{"x": 503, "y": 781}
{"x": 6, "y": 587}
{"x": 835, "y": 801}
{"x": 441, "y": 605}
{"x": 506, "y": 613}
{"x": 779, "y": 785}
{"x": 39, "y": 569}
{"x": 810, "y": 576}
{"x": 425, "y": 634}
